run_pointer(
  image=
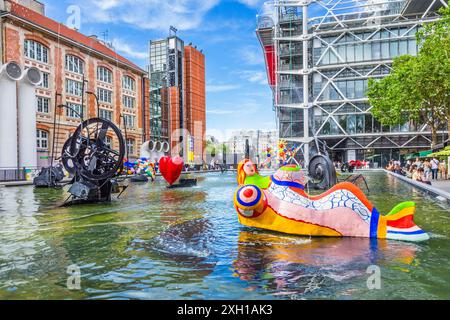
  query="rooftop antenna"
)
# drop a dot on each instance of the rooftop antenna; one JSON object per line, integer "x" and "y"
{"x": 173, "y": 31}
{"x": 105, "y": 35}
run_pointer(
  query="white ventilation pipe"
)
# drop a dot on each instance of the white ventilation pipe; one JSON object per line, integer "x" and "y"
{"x": 151, "y": 145}
{"x": 27, "y": 117}
{"x": 165, "y": 147}
{"x": 10, "y": 73}
{"x": 158, "y": 146}
{"x": 145, "y": 151}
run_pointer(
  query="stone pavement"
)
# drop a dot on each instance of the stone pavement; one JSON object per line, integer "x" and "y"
{"x": 443, "y": 185}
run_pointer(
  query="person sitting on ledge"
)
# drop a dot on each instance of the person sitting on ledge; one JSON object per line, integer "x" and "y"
{"x": 415, "y": 173}
{"x": 422, "y": 176}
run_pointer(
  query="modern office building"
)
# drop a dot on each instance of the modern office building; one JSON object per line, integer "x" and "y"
{"x": 66, "y": 59}
{"x": 320, "y": 56}
{"x": 177, "y": 97}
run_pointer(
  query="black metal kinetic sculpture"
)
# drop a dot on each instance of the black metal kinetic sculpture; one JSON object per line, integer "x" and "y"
{"x": 92, "y": 162}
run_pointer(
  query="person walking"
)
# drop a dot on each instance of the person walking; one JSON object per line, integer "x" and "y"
{"x": 434, "y": 168}
{"x": 443, "y": 170}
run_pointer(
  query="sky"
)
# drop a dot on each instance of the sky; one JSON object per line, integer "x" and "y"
{"x": 238, "y": 95}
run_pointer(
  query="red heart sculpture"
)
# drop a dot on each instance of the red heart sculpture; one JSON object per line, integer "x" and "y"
{"x": 171, "y": 168}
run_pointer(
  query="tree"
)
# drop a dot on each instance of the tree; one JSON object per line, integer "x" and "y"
{"x": 418, "y": 88}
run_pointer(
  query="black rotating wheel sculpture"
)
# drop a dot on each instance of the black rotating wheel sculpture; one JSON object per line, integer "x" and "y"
{"x": 322, "y": 173}
{"x": 92, "y": 162}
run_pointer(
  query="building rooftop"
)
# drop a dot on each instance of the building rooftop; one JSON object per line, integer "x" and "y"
{"x": 420, "y": 6}
{"x": 63, "y": 31}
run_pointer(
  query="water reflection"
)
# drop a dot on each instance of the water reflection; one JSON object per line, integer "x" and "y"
{"x": 297, "y": 265}
{"x": 156, "y": 243}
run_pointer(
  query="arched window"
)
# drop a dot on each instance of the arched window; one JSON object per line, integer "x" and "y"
{"x": 128, "y": 83}
{"x": 130, "y": 146}
{"x": 74, "y": 64}
{"x": 104, "y": 75}
{"x": 36, "y": 51}
{"x": 42, "y": 139}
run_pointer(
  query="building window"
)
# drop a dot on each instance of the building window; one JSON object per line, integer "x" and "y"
{"x": 108, "y": 142}
{"x": 104, "y": 95}
{"x": 106, "y": 114}
{"x": 129, "y": 120}
{"x": 104, "y": 75}
{"x": 128, "y": 83}
{"x": 128, "y": 102}
{"x": 74, "y": 110}
{"x": 42, "y": 139}
{"x": 43, "y": 105}
{"x": 44, "y": 83}
{"x": 36, "y": 51}
{"x": 130, "y": 146}
{"x": 74, "y": 88}
{"x": 74, "y": 64}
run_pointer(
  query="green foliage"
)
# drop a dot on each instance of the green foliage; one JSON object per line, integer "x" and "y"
{"x": 418, "y": 88}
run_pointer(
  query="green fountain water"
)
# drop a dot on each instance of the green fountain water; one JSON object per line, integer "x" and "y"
{"x": 156, "y": 243}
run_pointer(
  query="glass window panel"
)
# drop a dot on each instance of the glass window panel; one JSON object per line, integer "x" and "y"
{"x": 359, "y": 55}
{"x": 350, "y": 53}
{"x": 403, "y": 47}
{"x": 359, "y": 89}
{"x": 412, "y": 47}
{"x": 393, "y": 48}
{"x": 360, "y": 123}
{"x": 351, "y": 124}
{"x": 376, "y": 50}
{"x": 351, "y": 89}
{"x": 385, "y": 50}
{"x": 368, "y": 123}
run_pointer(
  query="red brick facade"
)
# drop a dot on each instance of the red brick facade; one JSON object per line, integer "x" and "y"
{"x": 22, "y": 24}
{"x": 195, "y": 99}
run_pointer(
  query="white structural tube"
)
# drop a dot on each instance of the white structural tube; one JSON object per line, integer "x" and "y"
{"x": 27, "y": 118}
{"x": 9, "y": 74}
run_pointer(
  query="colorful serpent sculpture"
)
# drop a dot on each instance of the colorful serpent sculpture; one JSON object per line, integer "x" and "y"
{"x": 279, "y": 203}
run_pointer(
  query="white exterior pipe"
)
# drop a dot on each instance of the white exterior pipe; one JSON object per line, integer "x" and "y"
{"x": 145, "y": 151}
{"x": 9, "y": 74}
{"x": 27, "y": 118}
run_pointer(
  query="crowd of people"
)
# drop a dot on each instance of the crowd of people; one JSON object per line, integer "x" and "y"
{"x": 424, "y": 171}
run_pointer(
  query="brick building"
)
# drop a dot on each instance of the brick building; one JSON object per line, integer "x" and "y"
{"x": 66, "y": 59}
{"x": 178, "y": 106}
{"x": 195, "y": 100}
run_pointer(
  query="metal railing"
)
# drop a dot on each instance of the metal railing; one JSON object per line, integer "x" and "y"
{"x": 7, "y": 175}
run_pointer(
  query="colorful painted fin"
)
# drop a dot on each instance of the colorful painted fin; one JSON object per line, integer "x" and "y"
{"x": 401, "y": 226}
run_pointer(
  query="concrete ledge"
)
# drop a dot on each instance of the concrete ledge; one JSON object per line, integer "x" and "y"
{"x": 30, "y": 183}
{"x": 440, "y": 195}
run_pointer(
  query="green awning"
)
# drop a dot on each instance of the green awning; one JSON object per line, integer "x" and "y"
{"x": 411, "y": 156}
{"x": 423, "y": 154}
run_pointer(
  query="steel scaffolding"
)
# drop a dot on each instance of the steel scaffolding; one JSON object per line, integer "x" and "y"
{"x": 320, "y": 55}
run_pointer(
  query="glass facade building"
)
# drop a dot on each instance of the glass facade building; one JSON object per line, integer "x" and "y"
{"x": 320, "y": 56}
{"x": 165, "y": 71}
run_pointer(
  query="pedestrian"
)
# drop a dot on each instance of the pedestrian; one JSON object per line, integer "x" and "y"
{"x": 418, "y": 163}
{"x": 434, "y": 168}
{"x": 443, "y": 170}
{"x": 422, "y": 176}
{"x": 427, "y": 168}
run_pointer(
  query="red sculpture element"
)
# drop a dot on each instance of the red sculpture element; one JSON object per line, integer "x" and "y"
{"x": 355, "y": 163}
{"x": 171, "y": 168}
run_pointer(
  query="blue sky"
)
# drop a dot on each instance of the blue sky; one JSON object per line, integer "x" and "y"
{"x": 238, "y": 96}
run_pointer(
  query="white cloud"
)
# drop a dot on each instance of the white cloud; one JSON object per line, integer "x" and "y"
{"x": 253, "y": 76}
{"x": 252, "y": 3}
{"x": 221, "y": 87}
{"x": 219, "y": 111}
{"x": 149, "y": 14}
{"x": 124, "y": 48}
{"x": 252, "y": 55}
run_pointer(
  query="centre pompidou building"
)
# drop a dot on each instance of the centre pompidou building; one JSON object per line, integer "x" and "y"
{"x": 320, "y": 55}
